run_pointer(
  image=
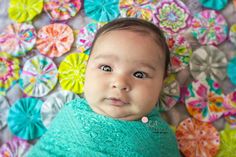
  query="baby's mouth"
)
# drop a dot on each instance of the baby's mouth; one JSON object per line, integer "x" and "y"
{"x": 116, "y": 101}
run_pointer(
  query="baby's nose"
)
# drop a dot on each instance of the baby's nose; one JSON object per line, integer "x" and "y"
{"x": 121, "y": 83}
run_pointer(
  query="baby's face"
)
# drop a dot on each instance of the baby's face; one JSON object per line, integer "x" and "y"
{"x": 124, "y": 75}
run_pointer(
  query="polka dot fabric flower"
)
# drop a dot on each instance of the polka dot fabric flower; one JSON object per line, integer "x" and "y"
{"x": 172, "y": 16}
{"x": 142, "y": 9}
{"x": 102, "y": 10}
{"x": 59, "y": 10}
{"x": 208, "y": 61}
{"x": 204, "y": 100}
{"x": 209, "y": 27}
{"x": 55, "y": 39}
{"x": 197, "y": 139}
{"x": 9, "y": 71}
{"x": 72, "y": 71}
{"x": 24, "y": 10}
{"x": 18, "y": 39}
{"x": 39, "y": 76}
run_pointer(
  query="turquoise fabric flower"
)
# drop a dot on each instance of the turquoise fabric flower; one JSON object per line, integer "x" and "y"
{"x": 24, "y": 119}
{"x": 231, "y": 70}
{"x": 213, "y": 4}
{"x": 102, "y": 10}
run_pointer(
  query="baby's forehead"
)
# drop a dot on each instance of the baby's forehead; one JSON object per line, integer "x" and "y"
{"x": 125, "y": 33}
{"x": 130, "y": 42}
{"x": 132, "y": 34}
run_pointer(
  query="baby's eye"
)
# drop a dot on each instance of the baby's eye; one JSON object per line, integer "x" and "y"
{"x": 106, "y": 68}
{"x": 140, "y": 74}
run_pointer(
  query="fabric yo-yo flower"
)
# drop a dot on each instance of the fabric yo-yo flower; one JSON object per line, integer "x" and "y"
{"x": 232, "y": 34}
{"x": 85, "y": 36}
{"x": 196, "y": 138}
{"x": 61, "y": 9}
{"x": 231, "y": 70}
{"x": 230, "y": 108}
{"x": 39, "y": 76}
{"x": 230, "y": 100}
{"x": 24, "y": 118}
{"x": 170, "y": 93}
{"x": 231, "y": 119}
{"x": 204, "y": 100}
{"x": 194, "y": 6}
{"x": 213, "y": 4}
{"x": 180, "y": 52}
{"x": 18, "y": 39}
{"x": 16, "y": 147}
{"x": 54, "y": 39}
{"x": 24, "y": 10}
{"x": 53, "y": 104}
{"x": 142, "y": 9}
{"x": 208, "y": 61}
{"x": 172, "y": 16}
{"x": 209, "y": 27}
{"x": 72, "y": 71}
{"x": 4, "y": 107}
{"x": 9, "y": 71}
{"x": 102, "y": 10}
{"x": 227, "y": 142}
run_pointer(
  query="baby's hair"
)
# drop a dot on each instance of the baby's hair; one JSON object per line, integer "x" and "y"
{"x": 139, "y": 26}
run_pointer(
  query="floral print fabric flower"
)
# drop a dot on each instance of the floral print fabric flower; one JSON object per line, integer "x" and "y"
{"x": 180, "y": 52}
{"x": 172, "y": 16}
{"x": 142, "y": 9}
{"x": 209, "y": 27}
{"x": 204, "y": 100}
{"x": 61, "y": 9}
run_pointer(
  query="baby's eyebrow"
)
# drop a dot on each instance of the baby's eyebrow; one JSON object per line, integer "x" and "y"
{"x": 150, "y": 66}
{"x": 105, "y": 56}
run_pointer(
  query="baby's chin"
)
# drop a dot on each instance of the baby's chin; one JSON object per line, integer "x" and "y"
{"x": 116, "y": 115}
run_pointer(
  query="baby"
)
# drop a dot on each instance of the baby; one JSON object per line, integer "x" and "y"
{"x": 118, "y": 117}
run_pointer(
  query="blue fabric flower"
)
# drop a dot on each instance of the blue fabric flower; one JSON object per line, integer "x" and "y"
{"x": 24, "y": 119}
{"x": 213, "y": 4}
{"x": 231, "y": 70}
{"x": 102, "y": 10}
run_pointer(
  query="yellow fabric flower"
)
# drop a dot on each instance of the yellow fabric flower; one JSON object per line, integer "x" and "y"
{"x": 24, "y": 10}
{"x": 72, "y": 71}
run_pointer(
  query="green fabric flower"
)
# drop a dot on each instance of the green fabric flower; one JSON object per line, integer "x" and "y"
{"x": 227, "y": 142}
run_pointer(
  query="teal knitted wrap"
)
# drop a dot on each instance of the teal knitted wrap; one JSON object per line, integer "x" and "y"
{"x": 78, "y": 131}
